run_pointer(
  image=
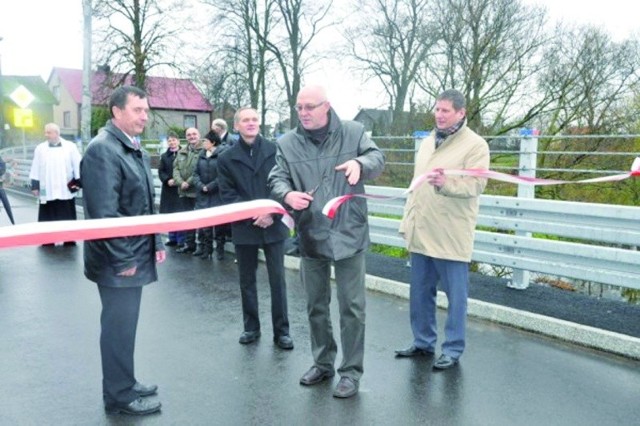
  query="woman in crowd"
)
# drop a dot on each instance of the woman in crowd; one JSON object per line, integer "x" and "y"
{"x": 206, "y": 183}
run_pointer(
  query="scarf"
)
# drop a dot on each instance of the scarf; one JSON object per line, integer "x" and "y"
{"x": 442, "y": 134}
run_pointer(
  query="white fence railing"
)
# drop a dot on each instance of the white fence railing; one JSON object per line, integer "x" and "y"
{"x": 600, "y": 241}
{"x": 584, "y": 241}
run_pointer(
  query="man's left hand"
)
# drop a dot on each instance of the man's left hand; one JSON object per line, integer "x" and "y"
{"x": 351, "y": 170}
{"x": 161, "y": 256}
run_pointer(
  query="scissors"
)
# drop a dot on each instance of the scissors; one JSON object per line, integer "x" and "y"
{"x": 313, "y": 191}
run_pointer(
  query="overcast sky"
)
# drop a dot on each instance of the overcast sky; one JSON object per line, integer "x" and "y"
{"x": 38, "y": 35}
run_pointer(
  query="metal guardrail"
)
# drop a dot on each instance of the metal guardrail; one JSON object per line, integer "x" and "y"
{"x": 601, "y": 240}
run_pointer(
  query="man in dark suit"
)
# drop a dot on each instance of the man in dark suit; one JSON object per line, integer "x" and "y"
{"x": 118, "y": 183}
{"x": 242, "y": 176}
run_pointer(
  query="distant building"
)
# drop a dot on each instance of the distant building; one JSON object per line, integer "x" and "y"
{"x": 41, "y": 108}
{"x": 380, "y": 122}
{"x": 173, "y": 102}
{"x": 376, "y": 121}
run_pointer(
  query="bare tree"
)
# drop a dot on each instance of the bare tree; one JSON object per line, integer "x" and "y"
{"x": 589, "y": 77}
{"x": 136, "y": 36}
{"x": 223, "y": 83}
{"x": 391, "y": 42}
{"x": 302, "y": 22}
{"x": 244, "y": 26}
{"x": 488, "y": 49}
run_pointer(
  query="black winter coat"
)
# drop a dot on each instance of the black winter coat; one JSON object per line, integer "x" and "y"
{"x": 206, "y": 175}
{"x": 240, "y": 180}
{"x": 117, "y": 182}
{"x": 169, "y": 199}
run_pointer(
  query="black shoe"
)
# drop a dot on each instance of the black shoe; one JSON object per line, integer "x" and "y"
{"x": 186, "y": 249}
{"x": 69, "y": 243}
{"x": 284, "y": 342}
{"x": 346, "y": 388}
{"x": 198, "y": 252}
{"x": 412, "y": 351}
{"x": 293, "y": 251}
{"x": 144, "y": 390}
{"x": 445, "y": 362}
{"x": 171, "y": 243}
{"x": 249, "y": 337}
{"x": 314, "y": 376}
{"x": 48, "y": 245}
{"x": 139, "y": 407}
{"x": 206, "y": 255}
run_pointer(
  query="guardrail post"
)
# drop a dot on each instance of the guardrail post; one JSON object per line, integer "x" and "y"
{"x": 418, "y": 137}
{"x": 527, "y": 167}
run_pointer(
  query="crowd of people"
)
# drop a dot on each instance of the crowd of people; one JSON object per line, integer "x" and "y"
{"x": 322, "y": 158}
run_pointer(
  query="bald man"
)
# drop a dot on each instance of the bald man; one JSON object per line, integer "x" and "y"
{"x": 55, "y": 177}
{"x": 322, "y": 158}
{"x": 183, "y": 168}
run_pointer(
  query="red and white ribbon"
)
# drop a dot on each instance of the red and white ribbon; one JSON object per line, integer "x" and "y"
{"x": 77, "y": 230}
{"x": 334, "y": 204}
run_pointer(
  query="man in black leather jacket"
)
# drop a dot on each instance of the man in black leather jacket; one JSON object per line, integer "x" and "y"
{"x": 117, "y": 182}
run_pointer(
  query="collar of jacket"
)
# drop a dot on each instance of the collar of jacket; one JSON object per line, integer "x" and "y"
{"x": 334, "y": 125}
{"x": 237, "y": 152}
{"x": 120, "y": 135}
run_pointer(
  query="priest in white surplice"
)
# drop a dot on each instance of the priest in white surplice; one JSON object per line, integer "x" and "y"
{"x": 55, "y": 177}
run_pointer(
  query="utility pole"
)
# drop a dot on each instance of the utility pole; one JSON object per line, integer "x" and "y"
{"x": 2, "y": 141}
{"x": 85, "y": 109}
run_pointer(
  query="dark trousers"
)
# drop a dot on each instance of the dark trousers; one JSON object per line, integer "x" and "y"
{"x": 118, "y": 321}
{"x": 222, "y": 235}
{"x": 189, "y": 204}
{"x": 247, "y": 256}
{"x": 206, "y": 239}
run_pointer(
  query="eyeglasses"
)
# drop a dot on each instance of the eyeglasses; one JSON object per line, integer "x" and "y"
{"x": 308, "y": 107}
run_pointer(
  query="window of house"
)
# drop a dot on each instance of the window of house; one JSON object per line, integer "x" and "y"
{"x": 190, "y": 121}
{"x": 66, "y": 118}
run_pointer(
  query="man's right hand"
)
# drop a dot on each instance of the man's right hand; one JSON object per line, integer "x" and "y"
{"x": 184, "y": 185}
{"x": 128, "y": 272}
{"x": 298, "y": 200}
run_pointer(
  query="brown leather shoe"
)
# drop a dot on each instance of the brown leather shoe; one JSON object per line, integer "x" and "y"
{"x": 346, "y": 388}
{"x": 314, "y": 376}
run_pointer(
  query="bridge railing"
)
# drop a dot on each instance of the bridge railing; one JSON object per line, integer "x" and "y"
{"x": 583, "y": 241}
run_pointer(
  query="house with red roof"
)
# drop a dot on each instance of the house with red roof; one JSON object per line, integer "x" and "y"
{"x": 174, "y": 102}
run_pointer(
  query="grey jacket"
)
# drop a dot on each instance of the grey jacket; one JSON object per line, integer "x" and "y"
{"x": 301, "y": 165}
{"x": 117, "y": 182}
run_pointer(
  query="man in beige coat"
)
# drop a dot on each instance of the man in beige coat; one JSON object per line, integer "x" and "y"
{"x": 438, "y": 225}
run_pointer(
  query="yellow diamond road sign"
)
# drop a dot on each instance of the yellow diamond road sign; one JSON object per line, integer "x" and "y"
{"x": 22, "y": 97}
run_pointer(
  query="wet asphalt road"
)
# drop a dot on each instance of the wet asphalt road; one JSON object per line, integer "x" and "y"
{"x": 187, "y": 344}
